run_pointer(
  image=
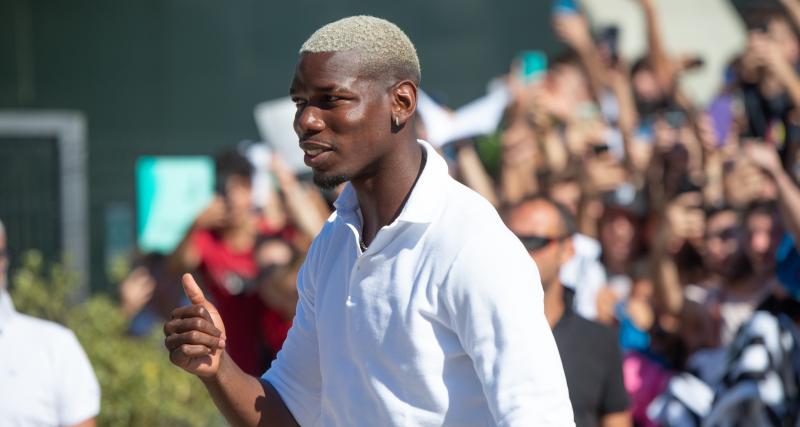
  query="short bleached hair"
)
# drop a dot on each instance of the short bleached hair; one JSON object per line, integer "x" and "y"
{"x": 386, "y": 48}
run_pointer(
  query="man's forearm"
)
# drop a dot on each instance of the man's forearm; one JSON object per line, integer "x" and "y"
{"x": 245, "y": 400}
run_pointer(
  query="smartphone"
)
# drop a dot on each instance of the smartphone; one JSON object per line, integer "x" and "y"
{"x": 565, "y": 7}
{"x": 721, "y": 113}
{"x": 532, "y": 65}
{"x": 609, "y": 37}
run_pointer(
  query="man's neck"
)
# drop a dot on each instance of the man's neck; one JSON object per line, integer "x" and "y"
{"x": 554, "y": 303}
{"x": 382, "y": 196}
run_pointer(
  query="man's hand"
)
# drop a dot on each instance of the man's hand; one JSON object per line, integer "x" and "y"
{"x": 215, "y": 215}
{"x": 195, "y": 337}
{"x": 573, "y": 30}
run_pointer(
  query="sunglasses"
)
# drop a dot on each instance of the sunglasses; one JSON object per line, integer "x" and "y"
{"x": 534, "y": 243}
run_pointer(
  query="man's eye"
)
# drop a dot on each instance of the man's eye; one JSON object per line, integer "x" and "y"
{"x": 331, "y": 98}
{"x": 299, "y": 102}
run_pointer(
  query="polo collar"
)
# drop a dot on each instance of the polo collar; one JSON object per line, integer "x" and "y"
{"x": 427, "y": 197}
{"x": 7, "y": 310}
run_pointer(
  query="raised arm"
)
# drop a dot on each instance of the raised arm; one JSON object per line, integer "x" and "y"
{"x": 573, "y": 30}
{"x": 793, "y": 7}
{"x": 766, "y": 157}
{"x": 195, "y": 339}
{"x": 657, "y": 52}
{"x": 185, "y": 257}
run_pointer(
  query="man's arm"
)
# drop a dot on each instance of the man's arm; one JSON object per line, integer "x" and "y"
{"x": 245, "y": 400}
{"x": 766, "y": 157}
{"x": 617, "y": 419}
{"x": 494, "y": 298}
{"x": 195, "y": 338}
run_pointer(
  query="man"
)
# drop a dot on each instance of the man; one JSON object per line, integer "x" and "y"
{"x": 415, "y": 305}
{"x": 583, "y": 273}
{"x": 589, "y": 351}
{"x": 45, "y": 377}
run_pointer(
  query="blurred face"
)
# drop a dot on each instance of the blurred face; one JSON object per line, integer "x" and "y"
{"x": 343, "y": 117}
{"x": 763, "y": 238}
{"x": 646, "y": 86}
{"x": 540, "y": 228}
{"x": 722, "y": 242}
{"x": 617, "y": 236}
{"x": 568, "y": 82}
{"x": 238, "y": 198}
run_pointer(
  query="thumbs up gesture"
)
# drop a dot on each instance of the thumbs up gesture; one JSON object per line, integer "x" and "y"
{"x": 195, "y": 336}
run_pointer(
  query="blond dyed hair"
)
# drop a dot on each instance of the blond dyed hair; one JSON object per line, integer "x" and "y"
{"x": 386, "y": 48}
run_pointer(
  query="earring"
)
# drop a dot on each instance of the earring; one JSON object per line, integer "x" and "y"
{"x": 396, "y": 121}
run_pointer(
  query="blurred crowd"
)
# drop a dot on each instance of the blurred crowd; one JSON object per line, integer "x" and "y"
{"x": 670, "y": 227}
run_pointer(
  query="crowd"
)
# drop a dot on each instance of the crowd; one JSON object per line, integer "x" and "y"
{"x": 666, "y": 234}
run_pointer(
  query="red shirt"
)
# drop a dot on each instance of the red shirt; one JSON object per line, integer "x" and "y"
{"x": 225, "y": 272}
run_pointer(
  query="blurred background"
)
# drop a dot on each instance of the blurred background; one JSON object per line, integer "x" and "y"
{"x": 136, "y": 136}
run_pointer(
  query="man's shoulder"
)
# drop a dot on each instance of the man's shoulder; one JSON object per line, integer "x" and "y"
{"x": 468, "y": 214}
{"x": 45, "y": 330}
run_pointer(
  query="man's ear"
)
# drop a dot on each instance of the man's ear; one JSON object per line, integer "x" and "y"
{"x": 404, "y": 101}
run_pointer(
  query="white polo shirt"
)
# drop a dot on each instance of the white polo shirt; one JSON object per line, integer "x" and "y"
{"x": 439, "y": 322}
{"x": 45, "y": 377}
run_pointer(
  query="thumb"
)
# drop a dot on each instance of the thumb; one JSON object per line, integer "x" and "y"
{"x": 192, "y": 290}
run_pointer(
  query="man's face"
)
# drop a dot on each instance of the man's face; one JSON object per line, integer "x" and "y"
{"x": 763, "y": 238}
{"x": 238, "y": 198}
{"x": 539, "y": 226}
{"x": 343, "y": 117}
{"x": 617, "y": 235}
{"x": 722, "y": 242}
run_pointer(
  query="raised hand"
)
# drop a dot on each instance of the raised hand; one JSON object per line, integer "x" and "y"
{"x": 195, "y": 336}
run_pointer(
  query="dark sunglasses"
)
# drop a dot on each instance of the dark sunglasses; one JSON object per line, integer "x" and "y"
{"x": 534, "y": 243}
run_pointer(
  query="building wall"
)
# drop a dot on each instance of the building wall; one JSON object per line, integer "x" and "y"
{"x": 159, "y": 77}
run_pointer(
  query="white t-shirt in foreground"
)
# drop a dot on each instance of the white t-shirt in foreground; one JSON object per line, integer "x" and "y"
{"x": 45, "y": 377}
{"x": 439, "y": 322}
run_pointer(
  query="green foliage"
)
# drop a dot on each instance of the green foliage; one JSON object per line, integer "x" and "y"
{"x": 489, "y": 150}
{"x": 140, "y": 387}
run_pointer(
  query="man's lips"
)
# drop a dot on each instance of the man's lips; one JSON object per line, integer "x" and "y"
{"x": 313, "y": 148}
{"x": 313, "y": 152}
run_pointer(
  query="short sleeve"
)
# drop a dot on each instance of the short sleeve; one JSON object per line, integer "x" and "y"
{"x": 494, "y": 297}
{"x": 615, "y": 397}
{"x": 295, "y": 373}
{"x": 77, "y": 391}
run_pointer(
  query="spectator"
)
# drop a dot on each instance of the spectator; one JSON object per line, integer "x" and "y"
{"x": 46, "y": 377}
{"x": 221, "y": 244}
{"x": 589, "y": 351}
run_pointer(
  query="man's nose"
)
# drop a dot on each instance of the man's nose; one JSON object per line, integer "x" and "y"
{"x": 307, "y": 120}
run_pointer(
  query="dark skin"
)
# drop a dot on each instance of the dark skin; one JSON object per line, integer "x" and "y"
{"x": 354, "y": 127}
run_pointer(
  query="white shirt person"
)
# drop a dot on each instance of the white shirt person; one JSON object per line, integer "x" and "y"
{"x": 437, "y": 323}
